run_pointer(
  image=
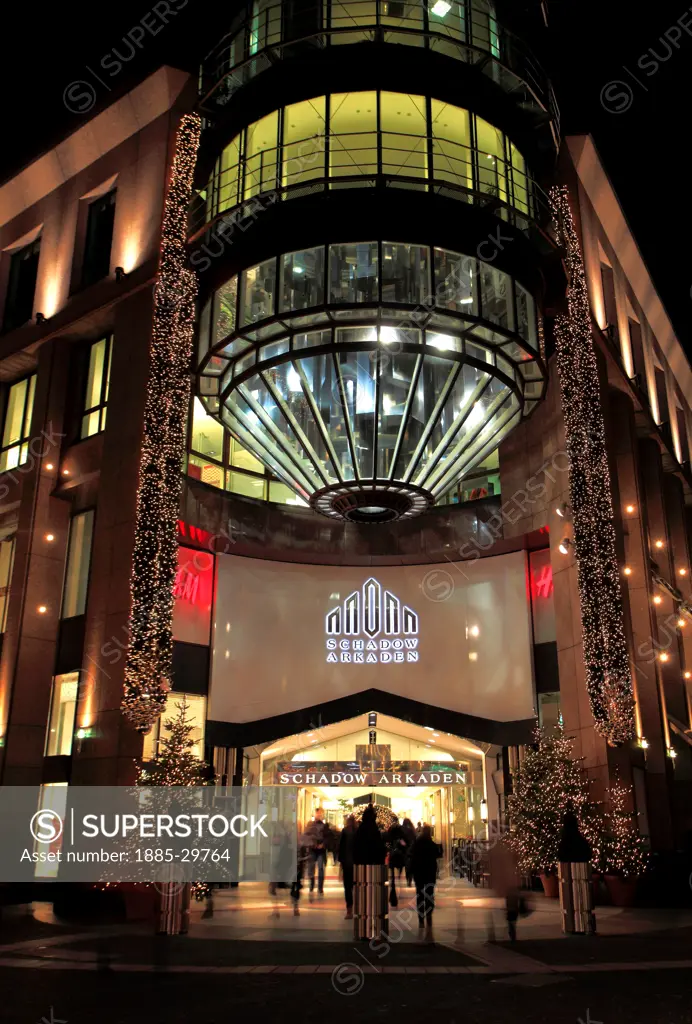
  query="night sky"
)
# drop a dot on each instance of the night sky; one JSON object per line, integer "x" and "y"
{"x": 644, "y": 145}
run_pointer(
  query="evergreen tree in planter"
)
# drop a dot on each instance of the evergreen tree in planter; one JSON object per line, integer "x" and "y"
{"x": 625, "y": 853}
{"x": 176, "y": 765}
{"x": 545, "y": 784}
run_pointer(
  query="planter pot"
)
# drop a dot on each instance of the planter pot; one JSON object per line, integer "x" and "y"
{"x": 622, "y": 891}
{"x": 551, "y": 886}
{"x": 140, "y": 901}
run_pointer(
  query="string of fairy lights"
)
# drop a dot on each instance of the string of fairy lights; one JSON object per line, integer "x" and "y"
{"x": 150, "y": 651}
{"x": 608, "y": 673}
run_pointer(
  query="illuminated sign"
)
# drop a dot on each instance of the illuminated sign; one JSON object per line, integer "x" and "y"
{"x": 542, "y": 581}
{"x": 186, "y": 585}
{"x": 339, "y": 773}
{"x": 371, "y": 626}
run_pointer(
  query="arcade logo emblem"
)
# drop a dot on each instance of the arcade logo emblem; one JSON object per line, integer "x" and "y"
{"x": 371, "y": 626}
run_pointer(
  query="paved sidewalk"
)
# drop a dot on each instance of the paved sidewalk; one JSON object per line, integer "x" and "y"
{"x": 244, "y": 936}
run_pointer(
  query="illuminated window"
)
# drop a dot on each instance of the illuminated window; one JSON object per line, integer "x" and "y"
{"x": 388, "y": 133}
{"x": 78, "y": 562}
{"x": 63, "y": 710}
{"x": 352, "y": 133}
{"x": 404, "y": 135}
{"x": 492, "y": 169}
{"x": 302, "y": 279}
{"x": 98, "y": 384}
{"x": 6, "y": 564}
{"x": 549, "y": 711}
{"x": 17, "y": 428}
{"x": 258, "y": 286}
{"x": 261, "y": 154}
{"x": 196, "y": 716}
{"x": 451, "y": 144}
{"x": 353, "y": 272}
{"x": 303, "y": 141}
{"x": 405, "y": 276}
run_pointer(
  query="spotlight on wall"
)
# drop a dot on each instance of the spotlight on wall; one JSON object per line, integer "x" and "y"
{"x": 484, "y": 809}
{"x": 120, "y": 274}
{"x": 42, "y": 609}
{"x": 564, "y": 511}
{"x": 50, "y": 537}
{"x": 682, "y": 572}
{"x": 644, "y": 744}
{"x": 627, "y": 571}
{"x": 664, "y": 656}
{"x": 672, "y": 752}
{"x": 687, "y": 674}
{"x": 49, "y": 465}
{"x": 564, "y": 546}
{"x": 40, "y": 318}
{"x": 630, "y": 509}
{"x": 681, "y": 623}
{"x": 471, "y": 813}
{"x": 657, "y": 598}
{"x": 451, "y": 817}
{"x": 658, "y": 544}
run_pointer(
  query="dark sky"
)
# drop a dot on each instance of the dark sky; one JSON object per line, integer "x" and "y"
{"x": 588, "y": 45}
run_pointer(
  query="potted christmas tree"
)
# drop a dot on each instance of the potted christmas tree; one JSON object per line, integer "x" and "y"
{"x": 174, "y": 765}
{"x": 547, "y": 782}
{"x": 625, "y": 850}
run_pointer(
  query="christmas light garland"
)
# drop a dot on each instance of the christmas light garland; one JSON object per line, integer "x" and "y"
{"x": 608, "y": 674}
{"x": 148, "y": 665}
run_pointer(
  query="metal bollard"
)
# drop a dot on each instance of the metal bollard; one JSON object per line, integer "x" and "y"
{"x": 370, "y": 905}
{"x": 576, "y": 898}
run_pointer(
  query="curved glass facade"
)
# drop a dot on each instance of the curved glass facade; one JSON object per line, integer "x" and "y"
{"x": 361, "y": 138}
{"x": 371, "y": 361}
{"x": 467, "y": 30}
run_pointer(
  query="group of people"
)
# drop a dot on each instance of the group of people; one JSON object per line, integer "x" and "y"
{"x": 407, "y": 850}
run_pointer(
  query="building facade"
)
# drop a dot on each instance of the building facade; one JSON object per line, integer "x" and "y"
{"x": 380, "y": 525}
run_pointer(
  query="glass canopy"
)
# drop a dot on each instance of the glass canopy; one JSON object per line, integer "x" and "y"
{"x": 370, "y": 377}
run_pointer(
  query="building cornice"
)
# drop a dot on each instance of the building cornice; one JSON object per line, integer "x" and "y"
{"x": 606, "y": 205}
{"x": 98, "y": 136}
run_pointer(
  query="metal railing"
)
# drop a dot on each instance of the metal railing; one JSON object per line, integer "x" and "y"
{"x": 466, "y": 32}
{"x": 330, "y": 162}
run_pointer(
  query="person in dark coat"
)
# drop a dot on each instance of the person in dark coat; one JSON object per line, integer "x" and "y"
{"x": 368, "y": 845}
{"x": 410, "y": 836}
{"x": 424, "y": 857}
{"x": 574, "y": 848}
{"x": 346, "y": 852}
{"x": 396, "y": 846}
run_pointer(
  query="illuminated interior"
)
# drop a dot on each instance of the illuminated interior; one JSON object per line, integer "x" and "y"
{"x": 368, "y": 378}
{"x": 364, "y": 135}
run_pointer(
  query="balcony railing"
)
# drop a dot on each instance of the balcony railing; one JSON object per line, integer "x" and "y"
{"x": 466, "y": 31}
{"x": 375, "y": 159}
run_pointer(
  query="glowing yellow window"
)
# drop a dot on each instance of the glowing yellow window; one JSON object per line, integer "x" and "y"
{"x": 260, "y": 158}
{"x": 228, "y": 177}
{"x": 451, "y": 144}
{"x": 303, "y": 142}
{"x": 492, "y": 170}
{"x": 352, "y": 133}
{"x": 404, "y": 135}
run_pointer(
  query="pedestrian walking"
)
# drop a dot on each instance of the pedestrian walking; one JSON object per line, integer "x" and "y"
{"x": 346, "y": 851}
{"x": 424, "y": 857}
{"x": 317, "y": 834}
{"x": 504, "y": 879}
{"x": 410, "y": 836}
